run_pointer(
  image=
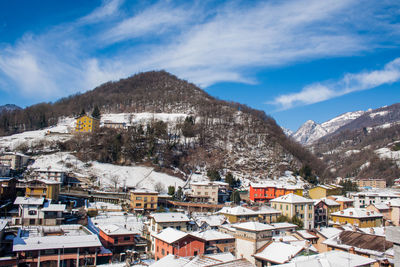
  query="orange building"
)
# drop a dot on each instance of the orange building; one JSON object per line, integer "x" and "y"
{"x": 266, "y": 192}
{"x": 175, "y": 242}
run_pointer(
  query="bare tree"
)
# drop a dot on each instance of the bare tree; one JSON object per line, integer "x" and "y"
{"x": 115, "y": 181}
{"x": 159, "y": 187}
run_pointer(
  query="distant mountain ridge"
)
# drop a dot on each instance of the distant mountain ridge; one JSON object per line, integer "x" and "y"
{"x": 9, "y": 107}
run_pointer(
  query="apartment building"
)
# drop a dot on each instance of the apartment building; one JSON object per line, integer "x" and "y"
{"x": 86, "y": 124}
{"x": 42, "y": 188}
{"x": 14, "y": 160}
{"x": 374, "y": 183}
{"x": 358, "y": 217}
{"x": 206, "y": 191}
{"x": 293, "y": 205}
{"x": 322, "y": 191}
{"x": 363, "y": 199}
{"x": 143, "y": 200}
{"x": 264, "y": 192}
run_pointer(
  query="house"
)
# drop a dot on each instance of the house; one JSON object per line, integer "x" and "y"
{"x": 264, "y": 192}
{"x": 267, "y": 214}
{"x": 323, "y": 208}
{"x": 344, "y": 202}
{"x": 251, "y": 236}
{"x": 8, "y": 189}
{"x": 215, "y": 241}
{"x": 175, "y": 242}
{"x": 238, "y": 214}
{"x": 71, "y": 245}
{"x": 206, "y": 191}
{"x": 209, "y": 222}
{"x": 114, "y": 124}
{"x": 277, "y": 253}
{"x": 381, "y": 208}
{"x": 331, "y": 258}
{"x": 282, "y": 228}
{"x": 374, "y": 183}
{"x": 211, "y": 260}
{"x": 363, "y": 199}
{"x": 358, "y": 217}
{"x": 42, "y": 188}
{"x": 322, "y": 191}
{"x": 367, "y": 245}
{"x": 160, "y": 221}
{"x": 394, "y": 211}
{"x": 49, "y": 173}
{"x": 15, "y": 161}
{"x": 86, "y": 124}
{"x": 38, "y": 211}
{"x": 323, "y": 234}
{"x": 143, "y": 200}
{"x": 293, "y": 205}
{"x": 116, "y": 238}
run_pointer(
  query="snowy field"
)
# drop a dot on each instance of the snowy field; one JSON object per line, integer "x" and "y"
{"x": 135, "y": 176}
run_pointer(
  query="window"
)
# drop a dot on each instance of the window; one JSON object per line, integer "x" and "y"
{"x": 32, "y": 212}
{"x": 145, "y": 198}
{"x": 178, "y": 227}
{"x": 287, "y": 207}
{"x": 138, "y": 198}
{"x": 138, "y": 204}
{"x": 163, "y": 252}
{"x": 127, "y": 238}
{"x": 302, "y": 207}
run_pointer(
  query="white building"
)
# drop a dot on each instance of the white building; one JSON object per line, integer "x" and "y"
{"x": 364, "y": 199}
{"x": 51, "y": 174}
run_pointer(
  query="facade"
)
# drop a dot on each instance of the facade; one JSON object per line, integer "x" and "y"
{"x": 175, "y": 242}
{"x": 15, "y": 161}
{"x": 114, "y": 125}
{"x": 374, "y": 183}
{"x": 383, "y": 209}
{"x": 71, "y": 245}
{"x": 237, "y": 214}
{"x": 143, "y": 200}
{"x": 41, "y": 188}
{"x": 250, "y": 237}
{"x": 38, "y": 211}
{"x": 322, "y": 191}
{"x": 215, "y": 241}
{"x": 116, "y": 238}
{"x": 164, "y": 220}
{"x": 323, "y": 208}
{"x": 7, "y": 188}
{"x": 86, "y": 124}
{"x": 50, "y": 174}
{"x": 207, "y": 191}
{"x": 266, "y": 192}
{"x": 294, "y": 205}
{"x": 358, "y": 217}
{"x": 363, "y": 199}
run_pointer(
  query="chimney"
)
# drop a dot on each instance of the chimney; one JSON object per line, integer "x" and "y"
{"x": 341, "y": 212}
{"x": 351, "y": 213}
{"x": 371, "y": 231}
{"x": 351, "y": 250}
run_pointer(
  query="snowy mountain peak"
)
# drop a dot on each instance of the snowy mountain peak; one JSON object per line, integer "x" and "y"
{"x": 311, "y": 131}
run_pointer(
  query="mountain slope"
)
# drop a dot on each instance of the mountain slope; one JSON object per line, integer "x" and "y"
{"x": 215, "y": 134}
{"x": 9, "y": 107}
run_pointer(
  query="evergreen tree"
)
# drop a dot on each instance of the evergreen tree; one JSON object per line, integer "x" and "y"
{"x": 230, "y": 180}
{"x": 235, "y": 197}
{"x": 295, "y": 220}
{"x": 96, "y": 112}
{"x": 214, "y": 175}
{"x": 171, "y": 190}
{"x": 83, "y": 112}
{"x": 179, "y": 193}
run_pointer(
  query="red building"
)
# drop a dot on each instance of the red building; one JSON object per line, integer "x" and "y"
{"x": 266, "y": 192}
{"x": 116, "y": 238}
{"x": 175, "y": 242}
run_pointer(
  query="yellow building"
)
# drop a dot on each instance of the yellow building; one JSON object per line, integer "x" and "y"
{"x": 86, "y": 124}
{"x": 144, "y": 200}
{"x": 293, "y": 205}
{"x": 358, "y": 217}
{"x": 43, "y": 188}
{"x": 322, "y": 191}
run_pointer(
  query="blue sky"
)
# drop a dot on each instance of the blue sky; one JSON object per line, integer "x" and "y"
{"x": 297, "y": 60}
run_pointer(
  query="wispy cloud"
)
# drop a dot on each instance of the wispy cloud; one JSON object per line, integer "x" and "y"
{"x": 202, "y": 42}
{"x": 350, "y": 83}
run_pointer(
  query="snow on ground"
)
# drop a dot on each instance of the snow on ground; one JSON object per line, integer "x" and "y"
{"x": 142, "y": 118}
{"x": 135, "y": 176}
{"x": 351, "y": 152}
{"x": 57, "y": 133}
{"x": 387, "y": 153}
{"x": 365, "y": 165}
{"x": 380, "y": 113}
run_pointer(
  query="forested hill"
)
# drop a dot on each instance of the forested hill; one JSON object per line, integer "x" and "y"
{"x": 242, "y": 137}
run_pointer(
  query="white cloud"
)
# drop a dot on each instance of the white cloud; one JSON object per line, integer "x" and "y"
{"x": 107, "y": 9}
{"x": 202, "y": 43}
{"x": 319, "y": 92}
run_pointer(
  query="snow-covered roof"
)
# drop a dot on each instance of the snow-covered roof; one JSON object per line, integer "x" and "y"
{"x": 285, "y": 238}
{"x": 373, "y": 230}
{"x": 114, "y": 229}
{"x": 305, "y": 234}
{"x": 210, "y": 235}
{"x": 224, "y": 257}
{"x": 329, "y": 232}
{"x": 279, "y": 252}
{"x": 394, "y": 202}
{"x": 208, "y": 183}
{"x": 143, "y": 191}
{"x": 170, "y": 235}
{"x": 274, "y": 184}
{"x": 292, "y": 198}
{"x": 339, "y": 198}
{"x": 236, "y": 211}
{"x": 330, "y": 258}
{"x": 253, "y": 226}
{"x": 169, "y": 217}
{"x": 212, "y": 220}
{"x": 3, "y": 224}
{"x": 53, "y": 207}
{"x": 267, "y": 210}
{"x": 73, "y": 236}
{"x": 171, "y": 260}
{"x": 283, "y": 225}
{"x": 381, "y": 206}
{"x": 45, "y": 181}
{"x": 28, "y": 201}
{"x": 357, "y": 213}
{"x": 330, "y": 202}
